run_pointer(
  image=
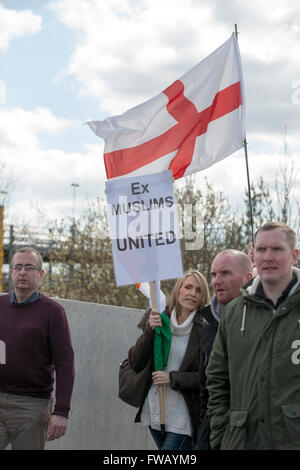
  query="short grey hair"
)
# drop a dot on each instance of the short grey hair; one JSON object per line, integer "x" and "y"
{"x": 30, "y": 249}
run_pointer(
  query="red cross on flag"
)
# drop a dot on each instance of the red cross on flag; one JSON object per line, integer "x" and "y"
{"x": 192, "y": 124}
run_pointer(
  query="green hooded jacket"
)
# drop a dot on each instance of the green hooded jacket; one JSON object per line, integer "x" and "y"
{"x": 253, "y": 375}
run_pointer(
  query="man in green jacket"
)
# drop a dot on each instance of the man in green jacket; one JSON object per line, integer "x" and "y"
{"x": 253, "y": 375}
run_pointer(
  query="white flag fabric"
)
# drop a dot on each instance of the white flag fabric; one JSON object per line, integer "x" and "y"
{"x": 192, "y": 124}
{"x": 144, "y": 288}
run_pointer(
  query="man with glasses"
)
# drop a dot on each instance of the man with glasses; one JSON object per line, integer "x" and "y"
{"x": 36, "y": 342}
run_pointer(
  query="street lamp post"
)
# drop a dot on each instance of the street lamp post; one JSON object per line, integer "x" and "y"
{"x": 75, "y": 186}
{"x": 71, "y": 271}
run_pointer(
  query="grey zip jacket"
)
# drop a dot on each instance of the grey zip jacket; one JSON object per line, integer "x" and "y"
{"x": 253, "y": 375}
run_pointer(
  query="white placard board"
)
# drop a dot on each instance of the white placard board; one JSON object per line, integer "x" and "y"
{"x": 143, "y": 228}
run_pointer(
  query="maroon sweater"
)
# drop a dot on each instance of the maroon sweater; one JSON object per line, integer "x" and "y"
{"x": 37, "y": 342}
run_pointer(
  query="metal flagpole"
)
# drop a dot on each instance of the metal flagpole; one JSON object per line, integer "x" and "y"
{"x": 249, "y": 192}
{"x": 247, "y": 170}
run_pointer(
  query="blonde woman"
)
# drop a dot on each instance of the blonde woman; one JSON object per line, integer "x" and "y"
{"x": 181, "y": 374}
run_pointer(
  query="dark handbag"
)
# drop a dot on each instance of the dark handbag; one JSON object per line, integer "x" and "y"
{"x": 132, "y": 384}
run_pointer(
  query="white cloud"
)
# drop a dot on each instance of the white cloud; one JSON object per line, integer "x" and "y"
{"x": 129, "y": 51}
{"x": 44, "y": 175}
{"x": 19, "y": 128}
{"x": 15, "y": 24}
{"x": 272, "y": 29}
{"x": 126, "y": 51}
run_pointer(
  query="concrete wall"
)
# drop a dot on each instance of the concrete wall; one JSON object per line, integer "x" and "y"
{"x": 101, "y": 337}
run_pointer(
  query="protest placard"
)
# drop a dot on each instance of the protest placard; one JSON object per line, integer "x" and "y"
{"x": 143, "y": 228}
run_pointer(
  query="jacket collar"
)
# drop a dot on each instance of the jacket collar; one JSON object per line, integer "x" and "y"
{"x": 251, "y": 287}
{"x": 249, "y": 290}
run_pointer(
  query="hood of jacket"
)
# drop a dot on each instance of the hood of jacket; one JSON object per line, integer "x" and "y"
{"x": 248, "y": 293}
{"x": 251, "y": 287}
{"x": 216, "y": 308}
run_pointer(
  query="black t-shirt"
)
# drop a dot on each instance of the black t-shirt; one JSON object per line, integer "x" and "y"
{"x": 260, "y": 292}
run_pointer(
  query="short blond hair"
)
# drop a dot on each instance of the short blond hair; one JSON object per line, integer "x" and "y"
{"x": 173, "y": 300}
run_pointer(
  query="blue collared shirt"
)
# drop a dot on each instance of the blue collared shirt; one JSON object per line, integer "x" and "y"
{"x": 32, "y": 298}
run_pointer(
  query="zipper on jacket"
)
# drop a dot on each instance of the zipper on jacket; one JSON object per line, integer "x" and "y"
{"x": 243, "y": 329}
{"x": 206, "y": 354}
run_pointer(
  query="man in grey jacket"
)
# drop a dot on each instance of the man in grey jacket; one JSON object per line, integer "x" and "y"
{"x": 253, "y": 374}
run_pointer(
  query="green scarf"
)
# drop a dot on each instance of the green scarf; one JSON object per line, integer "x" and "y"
{"x": 162, "y": 343}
